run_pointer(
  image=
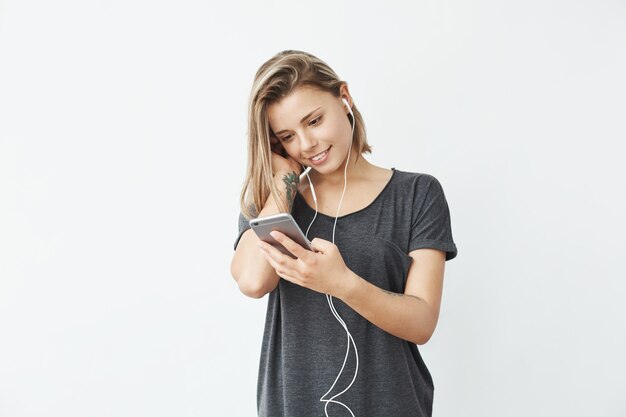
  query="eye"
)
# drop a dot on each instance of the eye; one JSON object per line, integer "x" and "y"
{"x": 316, "y": 119}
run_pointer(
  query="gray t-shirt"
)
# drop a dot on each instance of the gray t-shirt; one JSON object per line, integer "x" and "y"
{"x": 304, "y": 346}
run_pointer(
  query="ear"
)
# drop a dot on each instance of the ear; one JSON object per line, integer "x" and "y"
{"x": 344, "y": 93}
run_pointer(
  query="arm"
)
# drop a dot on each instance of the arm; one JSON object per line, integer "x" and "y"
{"x": 253, "y": 274}
{"x": 410, "y": 316}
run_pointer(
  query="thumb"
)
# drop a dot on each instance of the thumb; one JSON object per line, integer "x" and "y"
{"x": 321, "y": 245}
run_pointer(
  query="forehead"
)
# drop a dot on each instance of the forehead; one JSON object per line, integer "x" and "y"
{"x": 289, "y": 109}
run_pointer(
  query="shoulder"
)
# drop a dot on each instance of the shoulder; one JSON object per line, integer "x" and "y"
{"x": 416, "y": 181}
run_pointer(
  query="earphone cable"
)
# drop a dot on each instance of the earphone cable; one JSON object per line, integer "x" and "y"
{"x": 329, "y": 298}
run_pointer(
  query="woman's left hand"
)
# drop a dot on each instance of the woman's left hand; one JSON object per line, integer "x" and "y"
{"x": 323, "y": 271}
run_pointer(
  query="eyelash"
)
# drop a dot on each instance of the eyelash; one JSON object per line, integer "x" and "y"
{"x": 288, "y": 138}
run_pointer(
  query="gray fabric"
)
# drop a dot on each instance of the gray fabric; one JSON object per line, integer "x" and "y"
{"x": 304, "y": 346}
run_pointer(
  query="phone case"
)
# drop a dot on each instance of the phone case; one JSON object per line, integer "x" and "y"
{"x": 284, "y": 223}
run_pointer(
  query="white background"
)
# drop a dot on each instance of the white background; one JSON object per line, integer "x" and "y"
{"x": 123, "y": 152}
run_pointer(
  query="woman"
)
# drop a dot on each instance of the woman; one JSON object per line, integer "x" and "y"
{"x": 343, "y": 321}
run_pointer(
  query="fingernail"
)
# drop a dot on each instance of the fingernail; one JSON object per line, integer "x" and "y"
{"x": 274, "y": 234}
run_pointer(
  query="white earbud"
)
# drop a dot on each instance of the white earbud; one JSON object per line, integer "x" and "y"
{"x": 345, "y": 101}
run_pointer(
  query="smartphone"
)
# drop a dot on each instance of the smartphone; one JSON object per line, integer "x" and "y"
{"x": 284, "y": 223}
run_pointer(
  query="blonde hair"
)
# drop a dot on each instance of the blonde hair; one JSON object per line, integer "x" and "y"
{"x": 275, "y": 79}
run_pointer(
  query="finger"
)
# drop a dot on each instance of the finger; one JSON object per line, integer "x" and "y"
{"x": 290, "y": 245}
{"x": 321, "y": 245}
{"x": 281, "y": 260}
{"x": 280, "y": 269}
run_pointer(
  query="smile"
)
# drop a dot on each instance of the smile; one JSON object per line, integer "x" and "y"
{"x": 320, "y": 157}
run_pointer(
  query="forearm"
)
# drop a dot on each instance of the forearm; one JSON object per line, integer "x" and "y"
{"x": 405, "y": 316}
{"x": 253, "y": 274}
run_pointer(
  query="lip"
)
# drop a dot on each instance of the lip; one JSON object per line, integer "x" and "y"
{"x": 323, "y": 159}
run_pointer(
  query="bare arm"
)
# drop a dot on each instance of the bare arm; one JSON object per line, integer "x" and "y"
{"x": 252, "y": 272}
{"x": 413, "y": 315}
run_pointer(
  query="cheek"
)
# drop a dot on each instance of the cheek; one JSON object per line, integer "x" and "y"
{"x": 328, "y": 132}
{"x": 337, "y": 126}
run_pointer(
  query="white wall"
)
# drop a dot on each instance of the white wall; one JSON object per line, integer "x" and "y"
{"x": 122, "y": 155}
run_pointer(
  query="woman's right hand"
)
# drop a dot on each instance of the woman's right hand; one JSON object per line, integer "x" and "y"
{"x": 281, "y": 161}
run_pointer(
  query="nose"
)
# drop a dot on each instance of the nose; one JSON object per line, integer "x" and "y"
{"x": 307, "y": 143}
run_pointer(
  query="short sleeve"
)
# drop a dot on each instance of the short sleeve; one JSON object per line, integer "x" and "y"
{"x": 431, "y": 224}
{"x": 243, "y": 226}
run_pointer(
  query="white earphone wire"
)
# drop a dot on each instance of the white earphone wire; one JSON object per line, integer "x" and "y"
{"x": 329, "y": 298}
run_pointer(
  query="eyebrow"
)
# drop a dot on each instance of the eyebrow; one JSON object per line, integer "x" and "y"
{"x": 301, "y": 120}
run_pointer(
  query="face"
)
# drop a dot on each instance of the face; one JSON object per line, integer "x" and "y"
{"x": 309, "y": 122}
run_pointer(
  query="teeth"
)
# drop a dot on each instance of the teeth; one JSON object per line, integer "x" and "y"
{"x": 320, "y": 156}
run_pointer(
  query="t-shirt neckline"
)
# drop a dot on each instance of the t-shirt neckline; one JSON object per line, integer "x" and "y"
{"x": 306, "y": 205}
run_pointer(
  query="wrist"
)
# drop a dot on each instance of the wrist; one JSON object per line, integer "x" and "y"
{"x": 352, "y": 285}
{"x": 285, "y": 173}
{"x": 287, "y": 183}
